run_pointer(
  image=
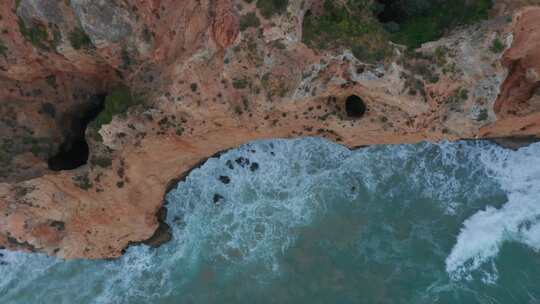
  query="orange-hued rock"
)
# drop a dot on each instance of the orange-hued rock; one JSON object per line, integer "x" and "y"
{"x": 523, "y": 63}
{"x": 209, "y": 86}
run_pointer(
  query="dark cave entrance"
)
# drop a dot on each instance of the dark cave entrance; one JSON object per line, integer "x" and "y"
{"x": 390, "y": 11}
{"x": 355, "y": 106}
{"x": 74, "y": 151}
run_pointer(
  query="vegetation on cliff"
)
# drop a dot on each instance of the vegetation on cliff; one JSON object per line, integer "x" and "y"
{"x": 366, "y": 26}
{"x": 351, "y": 26}
{"x": 497, "y": 45}
{"x": 36, "y": 34}
{"x": 249, "y": 20}
{"x": 268, "y": 8}
{"x": 413, "y": 22}
{"x": 79, "y": 39}
{"x": 3, "y": 48}
{"x": 117, "y": 102}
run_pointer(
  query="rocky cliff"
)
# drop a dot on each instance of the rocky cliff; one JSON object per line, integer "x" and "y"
{"x": 105, "y": 103}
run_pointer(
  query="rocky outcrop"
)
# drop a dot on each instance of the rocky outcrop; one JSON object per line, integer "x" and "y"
{"x": 519, "y": 91}
{"x": 208, "y": 76}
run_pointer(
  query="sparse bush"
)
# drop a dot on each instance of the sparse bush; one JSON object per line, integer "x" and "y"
{"x": 117, "y": 102}
{"x": 37, "y": 34}
{"x": 79, "y": 39}
{"x": 101, "y": 161}
{"x": 464, "y": 94}
{"x": 240, "y": 83}
{"x": 440, "y": 55}
{"x": 82, "y": 181}
{"x": 497, "y": 45}
{"x": 3, "y": 49}
{"x": 268, "y": 8}
{"x": 482, "y": 115}
{"x": 249, "y": 20}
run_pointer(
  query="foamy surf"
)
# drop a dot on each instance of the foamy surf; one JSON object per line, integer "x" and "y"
{"x": 247, "y": 205}
{"x": 483, "y": 234}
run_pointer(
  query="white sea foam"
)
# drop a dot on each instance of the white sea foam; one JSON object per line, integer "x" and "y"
{"x": 482, "y": 235}
{"x": 260, "y": 209}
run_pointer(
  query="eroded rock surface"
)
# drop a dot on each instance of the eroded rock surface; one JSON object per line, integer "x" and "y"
{"x": 207, "y": 80}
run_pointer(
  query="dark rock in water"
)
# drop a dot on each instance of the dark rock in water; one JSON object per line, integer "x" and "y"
{"x": 218, "y": 199}
{"x": 2, "y": 263}
{"x": 229, "y": 164}
{"x": 515, "y": 143}
{"x": 224, "y": 179}
{"x": 161, "y": 236}
{"x": 242, "y": 161}
{"x": 163, "y": 233}
{"x": 254, "y": 167}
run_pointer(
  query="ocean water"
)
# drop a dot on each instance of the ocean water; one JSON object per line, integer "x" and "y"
{"x": 309, "y": 221}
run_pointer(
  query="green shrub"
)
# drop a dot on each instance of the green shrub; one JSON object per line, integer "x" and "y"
{"x": 3, "y": 49}
{"x": 37, "y": 34}
{"x": 497, "y": 45}
{"x": 117, "y": 102}
{"x": 240, "y": 83}
{"x": 268, "y": 8}
{"x": 249, "y": 20}
{"x": 102, "y": 161}
{"x": 82, "y": 181}
{"x": 483, "y": 115}
{"x": 79, "y": 39}
{"x": 464, "y": 94}
{"x": 440, "y": 55}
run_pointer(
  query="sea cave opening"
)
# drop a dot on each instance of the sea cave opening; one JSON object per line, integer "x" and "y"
{"x": 74, "y": 150}
{"x": 355, "y": 106}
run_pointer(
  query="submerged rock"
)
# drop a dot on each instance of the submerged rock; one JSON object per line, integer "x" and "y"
{"x": 224, "y": 179}
{"x": 218, "y": 199}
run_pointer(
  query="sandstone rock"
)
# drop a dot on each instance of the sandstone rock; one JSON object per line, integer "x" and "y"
{"x": 523, "y": 63}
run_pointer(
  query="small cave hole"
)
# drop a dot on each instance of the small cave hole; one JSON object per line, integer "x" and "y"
{"x": 355, "y": 106}
{"x": 74, "y": 151}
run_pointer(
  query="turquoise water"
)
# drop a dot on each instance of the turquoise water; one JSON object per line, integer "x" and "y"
{"x": 308, "y": 221}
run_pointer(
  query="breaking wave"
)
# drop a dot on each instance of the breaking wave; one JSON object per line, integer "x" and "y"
{"x": 518, "y": 220}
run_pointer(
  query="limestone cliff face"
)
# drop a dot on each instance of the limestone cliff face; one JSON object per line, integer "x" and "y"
{"x": 210, "y": 83}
